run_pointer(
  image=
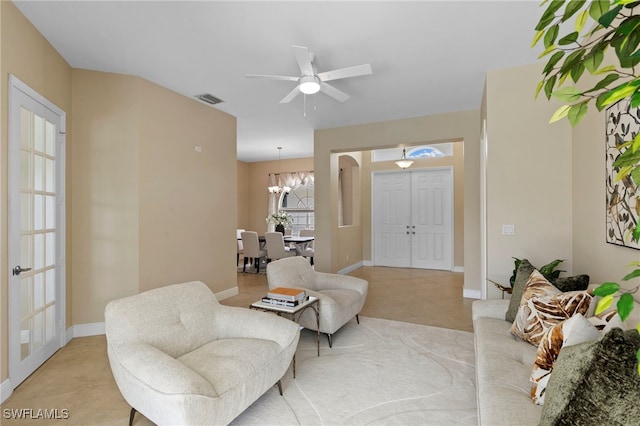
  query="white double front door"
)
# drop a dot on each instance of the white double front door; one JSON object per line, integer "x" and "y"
{"x": 413, "y": 219}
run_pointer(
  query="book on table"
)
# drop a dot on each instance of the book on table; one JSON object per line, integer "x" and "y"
{"x": 280, "y": 302}
{"x": 287, "y": 293}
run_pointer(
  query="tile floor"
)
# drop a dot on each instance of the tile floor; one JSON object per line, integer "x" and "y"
{"x": 76, "y": 386}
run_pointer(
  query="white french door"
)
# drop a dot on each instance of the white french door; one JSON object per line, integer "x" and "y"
{"x": 36, "y": 229}
{"x": 413, "y": 219}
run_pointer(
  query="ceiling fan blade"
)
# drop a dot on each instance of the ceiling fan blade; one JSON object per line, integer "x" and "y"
{"x": 292, "y": 94}
{"x": 273, "y": 77}
{"x": 304, "y": 61}
{"x": 336, "y": 94}
{"x": 354, "y": 71}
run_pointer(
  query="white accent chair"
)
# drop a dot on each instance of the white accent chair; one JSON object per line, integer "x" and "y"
{"x": 181, "y": 358}
{"x": 275, "y": 246}
{"x": 252, "y": 249}
{"x": 341, "y": 296}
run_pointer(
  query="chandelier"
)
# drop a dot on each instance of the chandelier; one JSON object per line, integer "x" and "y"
{"x": 277, "y": 189}
{"x": 403, "y": 163}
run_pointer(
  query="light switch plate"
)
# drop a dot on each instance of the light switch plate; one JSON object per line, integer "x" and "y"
{"x": 508, "y": 230}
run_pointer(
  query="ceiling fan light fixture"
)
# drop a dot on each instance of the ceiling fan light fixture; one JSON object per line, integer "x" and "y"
{"x": 403, "y": 163}
{"x": 309, "y": 84}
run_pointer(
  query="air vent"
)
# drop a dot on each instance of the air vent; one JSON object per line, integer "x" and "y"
{"x": 210, "y": 99}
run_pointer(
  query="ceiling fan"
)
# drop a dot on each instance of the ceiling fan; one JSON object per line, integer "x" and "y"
{"x": 311, "y": 82}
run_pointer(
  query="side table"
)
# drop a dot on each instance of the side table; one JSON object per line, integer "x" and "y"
{"x": 295, "y": 312}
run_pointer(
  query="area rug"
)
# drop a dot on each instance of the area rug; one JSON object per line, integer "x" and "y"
{"x": 379, "y": 372}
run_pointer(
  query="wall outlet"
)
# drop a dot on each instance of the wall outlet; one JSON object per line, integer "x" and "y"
{"x": 508, "y": 230}
{"x": 197, "y": 148}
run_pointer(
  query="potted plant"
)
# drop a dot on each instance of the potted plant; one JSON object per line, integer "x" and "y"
{"x": 574, "y": 49}
{"x": 281, "y": 220}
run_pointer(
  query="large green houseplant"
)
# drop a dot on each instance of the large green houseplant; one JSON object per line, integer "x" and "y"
{"x": 576, "y": 36}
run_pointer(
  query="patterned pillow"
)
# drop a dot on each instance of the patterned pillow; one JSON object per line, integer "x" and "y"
{"x": 596, "y": 383}
{"x": 572, "y": 331}
{"x": 543, "y": 306}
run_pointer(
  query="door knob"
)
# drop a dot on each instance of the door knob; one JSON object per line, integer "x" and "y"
{"x": 18, "y": 270}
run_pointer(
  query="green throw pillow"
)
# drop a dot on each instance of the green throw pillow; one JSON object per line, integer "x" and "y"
{"x": 595, "y": 383}
{"x": 576, "y": 283}
{"x": 522, "y": 276}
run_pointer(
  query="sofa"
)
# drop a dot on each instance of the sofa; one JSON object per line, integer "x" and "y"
{"x": 504, "y": 364}
{"x": 181, "y": 358}
{"x": 341, "y": 297}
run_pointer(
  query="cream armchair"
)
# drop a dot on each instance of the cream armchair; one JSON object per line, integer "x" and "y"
{"x": 341, "y": 296}
{"x": 181, "y": 358}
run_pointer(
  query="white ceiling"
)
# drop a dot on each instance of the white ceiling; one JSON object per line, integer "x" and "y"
{"x": 428, "y": 57}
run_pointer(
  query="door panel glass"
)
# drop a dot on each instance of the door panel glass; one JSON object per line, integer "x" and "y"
{"x": 38, "y": 236}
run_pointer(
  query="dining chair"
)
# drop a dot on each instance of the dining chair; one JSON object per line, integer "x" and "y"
{"x": 240, "y": 245}
{"x": 275, "y": 246}
{"x": 251, "y": 247}
{"x": 308, "y": 249}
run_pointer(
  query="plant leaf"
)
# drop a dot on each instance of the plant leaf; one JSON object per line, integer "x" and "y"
{"x": 571, "y": 8}
{"x": 633, "y": 274}
{"x": 625, "y": 306}
{"x": 551, "y": 35}
{"x": 593, "y": 60}
{"x": 548, "y": 87}
{"x": 553, "y": 60}
{"x": 619, "y": 93}
{"x": 603, "y": 304}
{"x": 567, "y": 94}
{"x": 607, "y": 18}
{"x": 577, "y": 112}
{"x": 599, "y": 8}
{"x": 606, "y": 289}
{"x": 549, "y": 267}
{"x": 636, "y": 231}
{"x": 539, "y": 88}
{"x": 549, "y": 14}
{"x": 604, "y": 82}
{"x": 546, "y": 51}
{"x": 627, "y": 158}
{"x": 537, "y": 37}
{"x": 577, "y": 71}
{"x": 581, "y": 20}
{"x": 568, "y": 39}
{"x": 560, "y": 113}
{"x": 603, "y": 70}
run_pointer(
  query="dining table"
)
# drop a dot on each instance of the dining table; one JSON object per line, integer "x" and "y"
{"x": 299, "y": 242}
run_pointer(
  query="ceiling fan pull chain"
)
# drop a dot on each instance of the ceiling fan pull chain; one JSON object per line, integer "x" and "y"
{"x": 304, "y": 101}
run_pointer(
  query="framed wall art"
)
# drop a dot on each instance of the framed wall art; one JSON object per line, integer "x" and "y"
{"x": 622, "y": 203}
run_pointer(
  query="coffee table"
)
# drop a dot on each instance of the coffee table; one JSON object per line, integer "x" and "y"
{"x": 295, "y": 312}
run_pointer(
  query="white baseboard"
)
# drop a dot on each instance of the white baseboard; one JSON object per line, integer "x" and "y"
{"x": 458, "y": 269}
{"x": 350, "y": 268}
{"x": 5, "y": 390}
{"x": 471, "y": 294}
{"x": 84, "y": 330}
{"x": 367, "y": 263}
{"x": 225, "y": 294}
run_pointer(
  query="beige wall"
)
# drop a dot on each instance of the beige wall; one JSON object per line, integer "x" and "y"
{"x": 148, "y": 210}
{"x": 444, "y": 127}
{"x": 187, "y": 199}
{"x": 528, "y": 176}
{"x": 243, "y": 198}
{"x": 105, "y": 184}
{"x": 27, "y": 55}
